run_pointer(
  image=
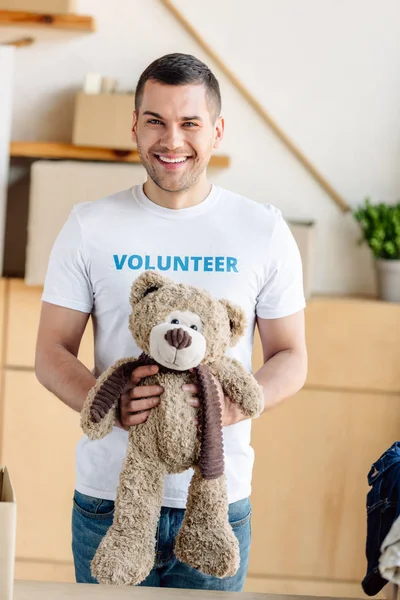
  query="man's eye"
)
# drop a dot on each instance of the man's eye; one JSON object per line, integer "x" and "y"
{"x": 189, "y": 124}
{"x": 154, "y": 122}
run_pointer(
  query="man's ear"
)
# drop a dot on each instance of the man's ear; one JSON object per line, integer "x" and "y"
{"x": 237, "y": 320}
{"x": 145, "y": 284}
{"x": 219, "y": 132}
{"x": 134, "y": 126}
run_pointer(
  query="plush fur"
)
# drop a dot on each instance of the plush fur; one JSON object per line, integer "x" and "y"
{"x": 169, "y": 441}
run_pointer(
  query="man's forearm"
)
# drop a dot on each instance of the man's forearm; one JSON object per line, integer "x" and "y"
{"x": 64, "y": 375}
{"x": 282, "y": 376}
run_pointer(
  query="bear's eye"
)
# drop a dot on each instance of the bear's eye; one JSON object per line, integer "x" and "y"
{"x": 175, "y": 321}
{"x": 194, "y": 327}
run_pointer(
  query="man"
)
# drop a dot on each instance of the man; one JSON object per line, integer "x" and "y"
{"x": 179, "y": 224}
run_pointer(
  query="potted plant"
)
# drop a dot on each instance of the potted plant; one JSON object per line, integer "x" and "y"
{"x": 380, "y": 226}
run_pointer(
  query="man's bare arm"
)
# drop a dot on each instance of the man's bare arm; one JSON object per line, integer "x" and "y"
{"x": 56, "y": 364}
{"x": 285, "y": 357}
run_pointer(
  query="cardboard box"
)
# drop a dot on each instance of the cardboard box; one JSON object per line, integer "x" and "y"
{"x": 304, "y": 234}
{"x": 104, "y": 120}
{"x": 54, "y": 7}
{"x": 8, "y": 526}
{"x": 71, "y": 182}
{"x": 391, "y": 591}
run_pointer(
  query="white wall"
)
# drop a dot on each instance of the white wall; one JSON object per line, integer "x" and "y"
{"x": 328, "y": 72}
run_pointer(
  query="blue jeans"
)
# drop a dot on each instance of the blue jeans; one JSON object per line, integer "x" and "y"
{"x": 91, "y": 518}
{"x": 383, "y": 508}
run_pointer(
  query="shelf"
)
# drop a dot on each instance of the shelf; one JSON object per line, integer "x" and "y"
{"x": 28, "y": 19}
{"x": 69, "y": 151}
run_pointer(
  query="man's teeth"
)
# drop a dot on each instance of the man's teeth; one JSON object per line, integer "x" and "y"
{"x": 172, "y": 160}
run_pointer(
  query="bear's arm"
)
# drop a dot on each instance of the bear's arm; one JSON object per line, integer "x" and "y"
{"x": 98, "y": 412}
{"x": 240, "y": 386}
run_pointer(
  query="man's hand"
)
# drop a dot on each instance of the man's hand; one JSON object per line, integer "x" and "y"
{"x": 137, "y": 398}
{"x": 230, "y": 411}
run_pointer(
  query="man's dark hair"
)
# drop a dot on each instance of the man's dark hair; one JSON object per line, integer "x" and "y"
{"x": 181, "y": 69}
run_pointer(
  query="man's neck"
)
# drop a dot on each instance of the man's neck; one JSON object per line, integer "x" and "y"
{"x": 177, "y": 200}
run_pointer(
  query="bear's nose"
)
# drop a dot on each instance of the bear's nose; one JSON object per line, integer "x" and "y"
{"x": 178, "y": 338}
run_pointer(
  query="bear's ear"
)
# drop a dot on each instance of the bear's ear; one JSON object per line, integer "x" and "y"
{"x": 237, "y": 320}
{"x": 145, "y": 284}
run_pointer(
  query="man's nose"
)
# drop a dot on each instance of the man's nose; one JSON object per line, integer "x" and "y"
{"x": 172, "y": 138}
{"x": 178, "y": 338}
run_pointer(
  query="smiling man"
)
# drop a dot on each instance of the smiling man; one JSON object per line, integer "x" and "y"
{"x": 180, "y": 224}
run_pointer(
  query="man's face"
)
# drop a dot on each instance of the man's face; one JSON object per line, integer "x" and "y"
{"x": 175, "y": 132}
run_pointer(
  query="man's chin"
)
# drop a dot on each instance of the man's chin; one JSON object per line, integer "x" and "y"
{"x": 172, "y": 187}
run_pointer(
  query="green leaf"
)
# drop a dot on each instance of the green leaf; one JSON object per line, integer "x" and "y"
{"x": 380, "y": 228}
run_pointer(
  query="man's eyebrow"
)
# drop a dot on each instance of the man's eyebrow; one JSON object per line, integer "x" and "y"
{"x": 157, "y": 116}
{"x": 194, "y": 118}
{"x": 153, "y": 114}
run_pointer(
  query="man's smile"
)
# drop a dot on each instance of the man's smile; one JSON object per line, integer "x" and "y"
{"x": 171, "y": 161}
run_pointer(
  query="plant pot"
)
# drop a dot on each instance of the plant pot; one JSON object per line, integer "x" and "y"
{"x": 388, "y": 279}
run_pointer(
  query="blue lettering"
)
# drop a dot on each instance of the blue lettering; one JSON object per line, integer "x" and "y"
{"x": 219, "y": 263}
{"x": 196, "y": 260}
{"x": 148, "y": 266}
{"x": 160, "y": 265}
{"x": 232, "y": 262}
{"x": 135, "y": 262}
{"x": 119, "y": 262}
{"x": 178, "y": 262}
{"x": 208, "y": 266}
{"x": 139, "y": 260}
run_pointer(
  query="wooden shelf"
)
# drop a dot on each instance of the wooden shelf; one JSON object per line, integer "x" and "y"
{"x": 69, "y": 151}
{"x": 28, "y": 19}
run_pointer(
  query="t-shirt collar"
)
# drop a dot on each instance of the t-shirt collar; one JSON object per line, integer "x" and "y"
{"x": 182, "y": 213}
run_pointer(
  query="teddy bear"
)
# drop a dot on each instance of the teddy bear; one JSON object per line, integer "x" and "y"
{"x": 185, "y": 331}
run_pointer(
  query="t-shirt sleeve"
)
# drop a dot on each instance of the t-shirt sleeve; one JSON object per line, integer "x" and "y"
{"x": 282, "y": 293}
{"x": 67, "y": 282}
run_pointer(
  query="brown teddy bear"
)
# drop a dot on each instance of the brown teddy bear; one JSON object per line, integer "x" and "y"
{"x": 185, "y": 331}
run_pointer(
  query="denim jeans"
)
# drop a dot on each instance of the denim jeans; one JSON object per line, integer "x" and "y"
{"x": 383, "y": 508}
{"x": 91, "y": 518}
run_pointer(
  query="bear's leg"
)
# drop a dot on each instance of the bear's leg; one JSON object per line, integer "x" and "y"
{"x": 126, "y": 553}
{"x": 206, "y": 540}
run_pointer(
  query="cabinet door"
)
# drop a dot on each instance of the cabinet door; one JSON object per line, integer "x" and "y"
{"x": 38, "y": 446}
{"x": 353, "y": 344}
{"x": 24, "y": 305}
{"x": 313, "y": 453}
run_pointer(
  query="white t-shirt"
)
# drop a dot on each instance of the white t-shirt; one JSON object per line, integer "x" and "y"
{"x": 232, "y": 246}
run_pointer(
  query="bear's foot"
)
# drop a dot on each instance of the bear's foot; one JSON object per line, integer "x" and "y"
{"x": 211, "y": 550}
{"x": 122, "y": 561}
